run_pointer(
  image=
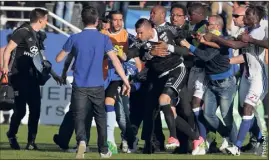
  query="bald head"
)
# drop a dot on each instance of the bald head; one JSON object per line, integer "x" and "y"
{"x": 160, "y": 8}
{"x": 158, "y": 15}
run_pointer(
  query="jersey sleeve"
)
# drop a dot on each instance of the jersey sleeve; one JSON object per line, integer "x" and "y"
{"x": 67, "y": 47}
{"x": 108, "y": 45}
{"x": 19, "y": 35}
{"x": 258, "y": 33}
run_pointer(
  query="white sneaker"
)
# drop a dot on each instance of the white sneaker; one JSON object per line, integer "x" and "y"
{"x": 81, "y": 150}
{"x": 172, "y": 143}
{"x": 134, "y": 149}
{"x": 124, "y": 146}
{"x": 73, "y": 150}
{"x": 107, "y": 155}
{"x": 233, "y": 150}
{"x": 199, "y": 150}
{"x": 224, "y": 145}
{"x": 199, "y": 147}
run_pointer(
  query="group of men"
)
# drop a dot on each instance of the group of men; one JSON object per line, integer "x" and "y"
{"x": 186, "y": 68}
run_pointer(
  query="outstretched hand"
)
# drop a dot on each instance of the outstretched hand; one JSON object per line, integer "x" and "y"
{"x": 126, "y": 89}
{"x": 160, "y": 49}
{"x": 208, "y": 37}
{"x": 64, "y": 79}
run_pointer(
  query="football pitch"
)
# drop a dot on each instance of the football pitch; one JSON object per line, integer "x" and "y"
{"x": 48, "y": 149}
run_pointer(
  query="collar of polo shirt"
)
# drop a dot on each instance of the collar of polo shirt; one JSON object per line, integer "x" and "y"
{"x": 90, "y": 28}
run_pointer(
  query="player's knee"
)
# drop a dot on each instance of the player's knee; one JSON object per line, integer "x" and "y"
{"x": 169, "y": 94}
{"x": 109, "y": 101}
{"x": 164, "y": 99}
{"x": 248, "y": 110}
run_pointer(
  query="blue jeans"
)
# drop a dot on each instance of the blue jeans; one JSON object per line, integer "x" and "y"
{"x": 68, "y": 12}
{"x": 221, "y": 93}
{"x": 122, "y": 114}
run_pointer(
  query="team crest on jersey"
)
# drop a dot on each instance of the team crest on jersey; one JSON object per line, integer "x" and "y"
{"x": 33, "y": 51}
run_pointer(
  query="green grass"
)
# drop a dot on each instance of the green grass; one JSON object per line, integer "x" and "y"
{"x": 48, "y": 150}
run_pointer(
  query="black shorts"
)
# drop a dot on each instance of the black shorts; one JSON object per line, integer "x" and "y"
{"x": 112, "y": 89}
{"x": 175, "y": 79}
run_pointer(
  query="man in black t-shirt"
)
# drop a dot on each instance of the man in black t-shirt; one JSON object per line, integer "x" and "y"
{"x": 24, "y": 76}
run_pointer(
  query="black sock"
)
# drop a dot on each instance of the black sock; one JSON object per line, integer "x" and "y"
{"x": 169, "y": 117}
{"x": 184, "y": 127}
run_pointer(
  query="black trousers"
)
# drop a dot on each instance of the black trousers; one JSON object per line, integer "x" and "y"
{"x": 83, "y": 101}
{"x": 67, "y": 127}
{"x": 27, "y": 91}
{"x": 152, "y": 131}
{"x": 136, "y": 108}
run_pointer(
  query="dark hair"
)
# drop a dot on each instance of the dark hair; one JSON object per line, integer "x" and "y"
{"x": 100, "y": 25}
{"x": 105, "y": 17}
{"x": 197, "y": 7}
{"x": 142, "y": 22}
{"x": 111, "y": 13}
{"x": 258, "y": 11}
{"x": 89, "y": 15}
{"x": 36, "y": 14}
{"x": 176, "y": 5}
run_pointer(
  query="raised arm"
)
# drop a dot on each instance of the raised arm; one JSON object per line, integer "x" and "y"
{"x": 221, "y": 41}
{"x": 237, "y": 59}
{"x": 205, "y": 55}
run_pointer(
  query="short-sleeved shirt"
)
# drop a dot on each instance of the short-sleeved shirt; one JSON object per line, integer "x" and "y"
{"x": 255, "y": 54}
{"x": 264, "y": 24}
{"x": 88, "y": 47}
{"x": 25, "y": 50}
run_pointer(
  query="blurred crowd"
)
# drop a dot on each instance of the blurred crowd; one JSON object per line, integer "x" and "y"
{"x": 65, "y": 10}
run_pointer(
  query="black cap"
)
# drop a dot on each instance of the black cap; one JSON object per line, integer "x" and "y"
{"x": 105, "y": 17}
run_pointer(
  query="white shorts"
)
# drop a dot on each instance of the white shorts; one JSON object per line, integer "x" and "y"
{"x": 197, "y": 82}
{"x": 252, "y": 90}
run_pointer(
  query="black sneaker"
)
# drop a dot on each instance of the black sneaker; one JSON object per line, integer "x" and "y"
{"x": 13, "y": 142}
{"x": 57, "y": 141}
{"x": 31, "y": 146}
{"x": 149, "y": 148}
{"x": 213, "y": 147}
{"x": 250, "y": 147}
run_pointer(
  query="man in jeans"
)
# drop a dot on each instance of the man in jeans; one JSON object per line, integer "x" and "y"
{"x": 222, "y": 84}
{"x": 88, "y": 84}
